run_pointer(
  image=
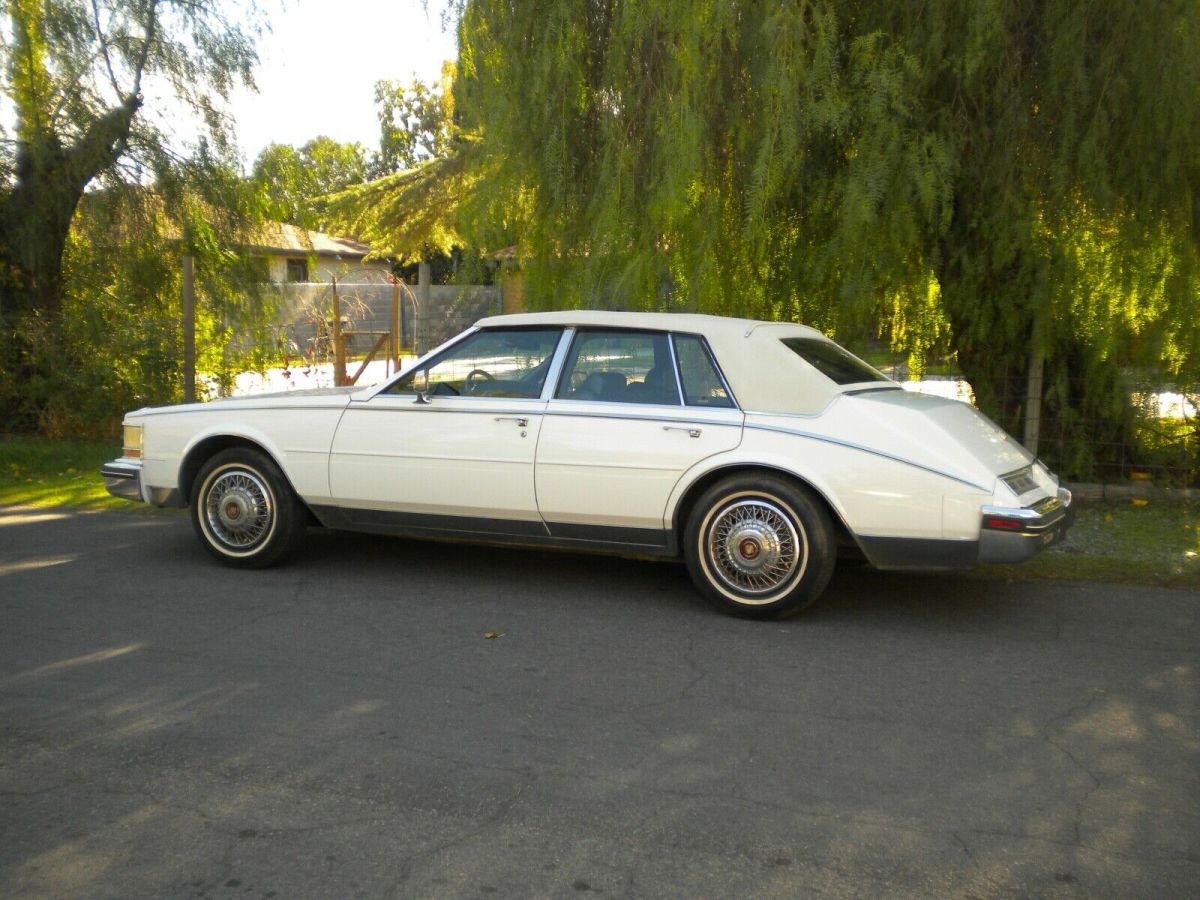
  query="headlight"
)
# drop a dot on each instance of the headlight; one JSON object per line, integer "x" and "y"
{"x": 133, "y": 441}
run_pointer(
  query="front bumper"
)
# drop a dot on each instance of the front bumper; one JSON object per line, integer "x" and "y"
{"x": 123, "y": 478}
{"x": 1014, "y": 534}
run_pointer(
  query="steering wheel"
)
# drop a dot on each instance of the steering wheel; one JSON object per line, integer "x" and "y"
{"x": 475, "y": 378}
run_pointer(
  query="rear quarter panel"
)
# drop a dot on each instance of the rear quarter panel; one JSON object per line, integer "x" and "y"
{"x": 875, "y": 494}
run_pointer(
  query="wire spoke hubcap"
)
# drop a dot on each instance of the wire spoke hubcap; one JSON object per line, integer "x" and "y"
{"x": 238, "y": 508}
{"x": 754, "y": 546}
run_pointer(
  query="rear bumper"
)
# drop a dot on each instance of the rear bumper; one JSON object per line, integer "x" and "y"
{"x": 1014, "y": 534}
{"x": 1007, "y": 535}
{"x": 123, "y": 478}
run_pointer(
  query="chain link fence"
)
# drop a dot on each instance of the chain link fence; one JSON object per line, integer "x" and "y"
{"x": 305, "y": 313}
{"x": 1156, "y": 439}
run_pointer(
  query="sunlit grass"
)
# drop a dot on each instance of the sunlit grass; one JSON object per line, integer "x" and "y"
{"x": 1154, "y": 543}
{"x": 42, "y": 472}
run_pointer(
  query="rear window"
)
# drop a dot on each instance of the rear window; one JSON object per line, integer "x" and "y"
{"x": 838, "y": 365}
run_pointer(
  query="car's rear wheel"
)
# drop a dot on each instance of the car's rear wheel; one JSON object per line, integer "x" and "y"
{"x": 244, "y": 511}
{"x": 759, "y": 546}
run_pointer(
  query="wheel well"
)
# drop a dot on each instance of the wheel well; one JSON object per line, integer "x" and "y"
{"x": 683, "y": 510}
{"x": 210, "y": 447}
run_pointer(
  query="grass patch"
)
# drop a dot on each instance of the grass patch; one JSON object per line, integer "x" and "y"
{"x": 1156, "y": 543}
{"x": 44, "y": 472}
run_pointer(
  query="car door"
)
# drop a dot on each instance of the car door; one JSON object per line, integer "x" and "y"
{"x": 459, "y": 457}
{"x": 618, "y": 434}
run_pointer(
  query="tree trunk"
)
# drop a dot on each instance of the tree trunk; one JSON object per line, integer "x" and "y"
{"x": 35, "y": 222}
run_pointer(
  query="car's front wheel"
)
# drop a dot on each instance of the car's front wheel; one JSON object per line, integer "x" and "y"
{"x": 759, "y": 546}
{"x": 244, "y": 511}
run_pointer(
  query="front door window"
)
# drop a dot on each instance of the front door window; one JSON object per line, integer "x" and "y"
{"x": 492, "y": 363}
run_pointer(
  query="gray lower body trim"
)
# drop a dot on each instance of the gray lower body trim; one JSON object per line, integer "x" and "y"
{"x": 161, "y": 496}
{"x": 919, "y": 554}
{"x": 508, "y": 532}
{"x": 1008, "y": 535}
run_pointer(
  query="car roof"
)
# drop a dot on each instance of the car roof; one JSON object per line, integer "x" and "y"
{"x": 694, "y": 323}
{"x": 764, "y": 375}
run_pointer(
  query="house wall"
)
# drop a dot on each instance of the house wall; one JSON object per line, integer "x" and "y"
{"x": 325, "y": 269}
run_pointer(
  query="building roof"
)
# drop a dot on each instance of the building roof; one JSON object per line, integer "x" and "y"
{"x": 279, "y": 237}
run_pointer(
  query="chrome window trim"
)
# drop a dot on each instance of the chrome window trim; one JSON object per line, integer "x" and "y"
{"x": 449, "y": 405}
{"x": 716, "y": 367}
{"x": 550, "y": 388}
{"x": 614, "y": 411}
{"x": 598, "y": 409}
{"x": 675, "y": 369}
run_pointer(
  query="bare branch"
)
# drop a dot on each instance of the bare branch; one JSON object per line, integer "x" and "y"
{"x": 144, "y": 53}
{"x": 102, "y": 39}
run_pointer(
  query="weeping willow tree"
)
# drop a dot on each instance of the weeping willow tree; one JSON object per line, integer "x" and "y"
{"x": 83, "y": 84}
{"x": 1012, "y": 180}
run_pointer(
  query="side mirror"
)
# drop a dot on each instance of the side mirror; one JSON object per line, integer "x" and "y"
{"x": 421, "y": 385}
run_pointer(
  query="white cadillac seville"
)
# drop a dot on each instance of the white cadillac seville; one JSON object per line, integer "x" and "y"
{"x": 757, "y": 451}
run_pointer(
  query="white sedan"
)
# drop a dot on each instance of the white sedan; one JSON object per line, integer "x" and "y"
{"x": 757, "y": 451}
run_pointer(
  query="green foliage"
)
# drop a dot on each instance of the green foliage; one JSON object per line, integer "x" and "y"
{"x": 121, "y": 341}
{"x": 416, "y": 123}
{"x": 74, "y": 76}
{"x": 407, "y": 215}
{"x": 424, "y": 171}
{"x": 992, "y": 178}
{"x": 56, "y": 473}
{"x": 292, "y": 178}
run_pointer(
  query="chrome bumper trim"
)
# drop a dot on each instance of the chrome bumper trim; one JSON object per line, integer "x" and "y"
{"x": 1015, "y": 534}
{"x": 122, "y": 478}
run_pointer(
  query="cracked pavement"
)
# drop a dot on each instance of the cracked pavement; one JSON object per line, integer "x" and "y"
{"x": 339, "y": 727}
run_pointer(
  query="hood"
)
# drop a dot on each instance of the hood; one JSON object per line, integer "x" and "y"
{"x": 302, "y": 393}
{"x": 315, "y": 397}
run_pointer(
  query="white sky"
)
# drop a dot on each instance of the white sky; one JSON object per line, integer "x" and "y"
{"x": 319, "y": 64}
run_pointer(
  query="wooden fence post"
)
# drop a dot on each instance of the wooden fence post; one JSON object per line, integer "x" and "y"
{"x": 189, "y": 329}
{"x": 396, "y": 335}
{"x": 1033, "y": 399}
{"x": 339, "y": 346}
{"x": 424, "y": 292}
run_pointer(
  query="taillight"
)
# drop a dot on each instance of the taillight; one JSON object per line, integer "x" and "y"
{"x": 1002, "y": 524}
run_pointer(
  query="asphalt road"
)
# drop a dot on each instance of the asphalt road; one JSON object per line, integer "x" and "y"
{"x": 341, "y": 727}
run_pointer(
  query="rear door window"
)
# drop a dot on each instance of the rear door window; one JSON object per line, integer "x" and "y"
{"x": 702, "y": 383}
{"x": 620, "y": 367}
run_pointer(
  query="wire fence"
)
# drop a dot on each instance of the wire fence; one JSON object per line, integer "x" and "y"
{"x": 1152, "y": 438}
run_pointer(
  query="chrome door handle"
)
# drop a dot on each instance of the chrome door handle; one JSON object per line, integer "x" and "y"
{"x": 521, "y": 421}
{"x": 691, "y": 432}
